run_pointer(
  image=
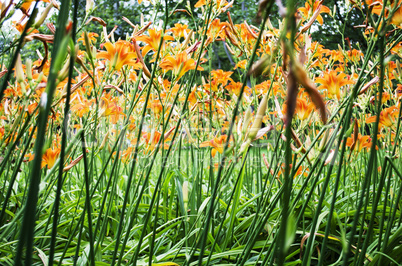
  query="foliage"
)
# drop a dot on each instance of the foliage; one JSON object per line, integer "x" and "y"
{"x": 191, "y": 135}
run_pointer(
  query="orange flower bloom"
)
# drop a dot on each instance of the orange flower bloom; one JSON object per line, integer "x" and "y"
{"x": 200, "y": 3}
{"x": 355, "y": 55}
{"x": 332, "y": 82}
{"x": 215, "y": 30}
{"x": 219, "y": 3}
{"x": 27, "y": 4}
{"x": 179, "y": 30}
{"x": 310, "y": 7}
{"x": 385, "y": 97}
{"x": 388, "y": 117}
{"x": 82, "y": 107}
{"x": 20, "y": 27}
{"x": 50, "y": 157}
{"x": 179, "y": 64}
{"x": 119, "y": 54}
{"x": 217, "y": 144}
{"x": 156, "y": 106}
{"x": 152, "y": 139}
{"x": 235, "y": 88}
{"x": 241, "y": 64}
{"x": 397, "y": 17}
{"x": 91, "y": 36}
{"x": 264, "y": 87}
{"x": 152, "y": 41}
{"x": 361, "y": 142}
{"x": 303, "y": 108}
{"x": 109, "y": 107}
{"x": 221, "y": 77}
{"x": 377, "y": 6}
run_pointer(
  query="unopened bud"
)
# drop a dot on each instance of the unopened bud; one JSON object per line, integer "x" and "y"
{"x": 185, "y": 192}
{"x": 258, "y": 118}
{"x": 63, "y": 74}
{"x": 187, "y": 40}
{"x": 40, "y": 77}
{"x": 19, "y": 71}
{"x": 398, "y": 68}
{"x": 247, "y": 118}
{"x": 104, "y": 141}
{"x": 260, "y": 66}
{"x": 244, "y": 146}
{"x": 88, "y": 46}
{"x": 44, "y": 15}
{"x": 28, "y": 70}
{"x": 185, "y": 196}
{"x": 89, "y": 6}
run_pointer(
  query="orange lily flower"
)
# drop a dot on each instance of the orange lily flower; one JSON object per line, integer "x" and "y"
{"x": 91, "y": 36}
{"x": 179, "y": 30}
{"x": 82, "y": 107}
{"x": 336, "y": 55}
{"x": 157, "y": 107}
{"x": 355, "y": 55}
{"x": 119, "y": 54}
{"x": 217, "y": 144}
{"x": 235, "y": 88}
{"x": 193, "y": 98}
{"x": 109, "y": 107}
{"x": 241, "y": 64}
{"x": 215, "y": 30}
{"x": 221, "y": 77}
{"x": 152, "y": 139}
{"x": 310, "y": 7}
{"x": 303, "y": 108}
{"x": 332, "y": 82}
{"x": 27, "y": 4}
{"x": 179, "y": 64}
{"x": 20, "y": 27}
{"x": 219, "y": 3}
{"x": 377, "y": 6}
{"x": 385, "y": 97}
{"x": 153, "y": 40}
{"x": 362, "y": 142}
{"x": 388, "y": 117}
{"x": 264, "y": 87}
{"x": 200, "y": 3}
{"x": 48, "y": 158}
{"x": 397, "y": 17}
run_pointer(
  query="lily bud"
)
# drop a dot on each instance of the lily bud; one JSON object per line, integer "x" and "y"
{"x": 44, "y": 15}
{"x": 260, "y": 66}
{"x": 19, "y": 72}
{"x": 28, "y": 70}
{"x": 185, "y": 192}
{"x": 88, "y": 46}
{"x": 247, "y": 118}
{"x": 89, "y": 6}
{"x": 187, "y": 40}
{"x": 258, "y": 118}
{"x": 64, "y": 71}
{"x": 244, "y": 146}
{"x": 104, "y": 141}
